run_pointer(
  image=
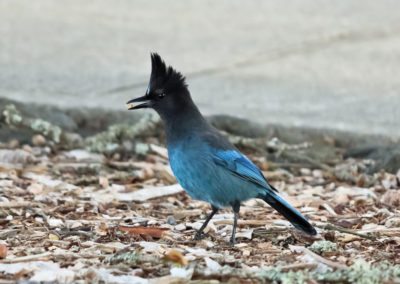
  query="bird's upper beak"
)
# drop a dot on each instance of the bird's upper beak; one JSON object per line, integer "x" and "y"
{"x": 141, "y": 102}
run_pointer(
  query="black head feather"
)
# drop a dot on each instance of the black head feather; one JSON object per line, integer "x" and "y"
{"x": 163, "y": 77}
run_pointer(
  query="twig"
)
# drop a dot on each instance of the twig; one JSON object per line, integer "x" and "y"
{"x": 42, "y": 256}
{"x": 384, "y": 232}
{"x": 13, "y": 204}
{"x": 241, "y": 222}
{"x": 330, "y": 227}
{"x": 298, "y": 266}
{"x": 318, "y": 257}
{"x": 47, "y": 255}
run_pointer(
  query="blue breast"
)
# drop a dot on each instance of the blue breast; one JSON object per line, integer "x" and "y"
{"x": 196, "y": 171}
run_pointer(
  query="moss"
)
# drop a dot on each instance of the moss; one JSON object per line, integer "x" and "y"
{"x": 14, "y": 118}
{"x": 320, "y": 247}
{"x": 47, "y": 129}
{"x": 110, "y": 140}
{"x": 129, "y": 258}
{"x": 12, "y": 115}
{"x": 360, "y": 272}
{"x": 275, "y": 275}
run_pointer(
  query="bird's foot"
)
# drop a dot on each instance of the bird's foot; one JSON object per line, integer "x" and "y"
{"x": 199, "y": 236}
{"x": 232, "y": 242}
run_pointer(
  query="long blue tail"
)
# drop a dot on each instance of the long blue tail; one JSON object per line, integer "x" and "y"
{"x": 289, "y": 212}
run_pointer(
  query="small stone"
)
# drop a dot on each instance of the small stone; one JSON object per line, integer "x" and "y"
{"x": 13, "y": 144}
{"x": 35, "y": 188}
{"x": 305, "y": 172}
{"x": 38, "y": 140}
{"x": 317, "y": 173}
{"x": 180, "y": 227}
{"x": 246, "y": 253}
{"x": 171, "y": 220}
{"x": 142, "y": 148}
{"x": 54, "y": 222}
{"x": 103, "y": 182}
{"x": 393, "y": 222}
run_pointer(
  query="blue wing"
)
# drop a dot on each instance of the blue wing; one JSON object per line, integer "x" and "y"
{"x": 241, "y": 166}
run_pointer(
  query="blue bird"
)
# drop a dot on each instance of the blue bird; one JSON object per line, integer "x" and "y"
{"x": 204, "y": 162}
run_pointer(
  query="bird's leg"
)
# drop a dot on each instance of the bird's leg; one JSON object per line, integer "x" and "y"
{"x": 199, "y": 235}
{"x": 236, "y": 209}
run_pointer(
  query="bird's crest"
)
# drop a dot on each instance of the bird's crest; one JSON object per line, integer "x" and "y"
{"x": 165, "y": 77}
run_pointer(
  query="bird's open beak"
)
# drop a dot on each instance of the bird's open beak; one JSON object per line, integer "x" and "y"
{"x": 141, "y": 102}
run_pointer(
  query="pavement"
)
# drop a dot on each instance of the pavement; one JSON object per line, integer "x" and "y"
{"x": 324, "y": 64}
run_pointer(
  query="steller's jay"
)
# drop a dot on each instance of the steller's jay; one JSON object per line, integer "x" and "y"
{"x": 204, "y": 162}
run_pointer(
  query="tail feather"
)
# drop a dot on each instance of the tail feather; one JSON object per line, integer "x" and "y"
{"x": 289, "y": 212}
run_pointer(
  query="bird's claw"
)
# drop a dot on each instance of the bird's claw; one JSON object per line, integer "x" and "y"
{"x": 199, "y": 236}
{"x": 232, "y": 242}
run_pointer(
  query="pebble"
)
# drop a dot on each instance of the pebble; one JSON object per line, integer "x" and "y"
{"x": 305, "y": 172}
{"x": 180, "y": 227}
{"x": 54, "y": 222}
{"x": 38, "y": 140}
{"x": 171, "y": 220}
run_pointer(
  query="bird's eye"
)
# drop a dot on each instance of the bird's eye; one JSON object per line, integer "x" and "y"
{"x": 161, "y": 95}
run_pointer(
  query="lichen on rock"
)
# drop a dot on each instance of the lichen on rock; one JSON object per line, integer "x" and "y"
{"x": 323, "y": 246}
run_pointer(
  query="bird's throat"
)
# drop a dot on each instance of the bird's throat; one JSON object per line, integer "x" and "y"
{"x": 184, "y": 123}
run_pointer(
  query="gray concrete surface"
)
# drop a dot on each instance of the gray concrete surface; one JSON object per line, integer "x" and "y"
{"x": 332, "y": 64}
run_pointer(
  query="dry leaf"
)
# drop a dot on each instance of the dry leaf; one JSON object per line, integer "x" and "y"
{"x": 53, "y": 237}
{"x": 3, "y": 251}
{"x": 176, "y": 257}
{"x": 144, "y": 231}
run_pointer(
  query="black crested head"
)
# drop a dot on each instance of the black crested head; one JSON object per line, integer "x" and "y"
{"x": 165, "y": 77}
{"x": 167, "y": 91}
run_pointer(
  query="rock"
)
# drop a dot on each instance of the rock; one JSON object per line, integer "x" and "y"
{"x": 393, "y": 222}
{"x": 386, "y": 156}
{"x": 171, "y": 220}
{"x": 55, "y": 223}
{"x": 180, "y": 227}
{"x": 83, "y": 155}
{"x": 38, "y": 140}
{"x": 16, "y": 157}
{"x": 391, "y": 198}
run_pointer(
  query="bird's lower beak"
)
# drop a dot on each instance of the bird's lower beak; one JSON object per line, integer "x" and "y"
{"x": 142, "y": 102}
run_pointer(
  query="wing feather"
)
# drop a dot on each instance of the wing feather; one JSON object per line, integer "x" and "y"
{"x": 240, "y": 166}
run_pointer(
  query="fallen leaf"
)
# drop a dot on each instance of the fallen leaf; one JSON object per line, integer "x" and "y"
{"x": 144, "y": 231}
{"x": 176, "y": 256}
{"x": 247, "y": 234}
{"x": 53, "y": 237}
{"x": 3, "y": 251}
